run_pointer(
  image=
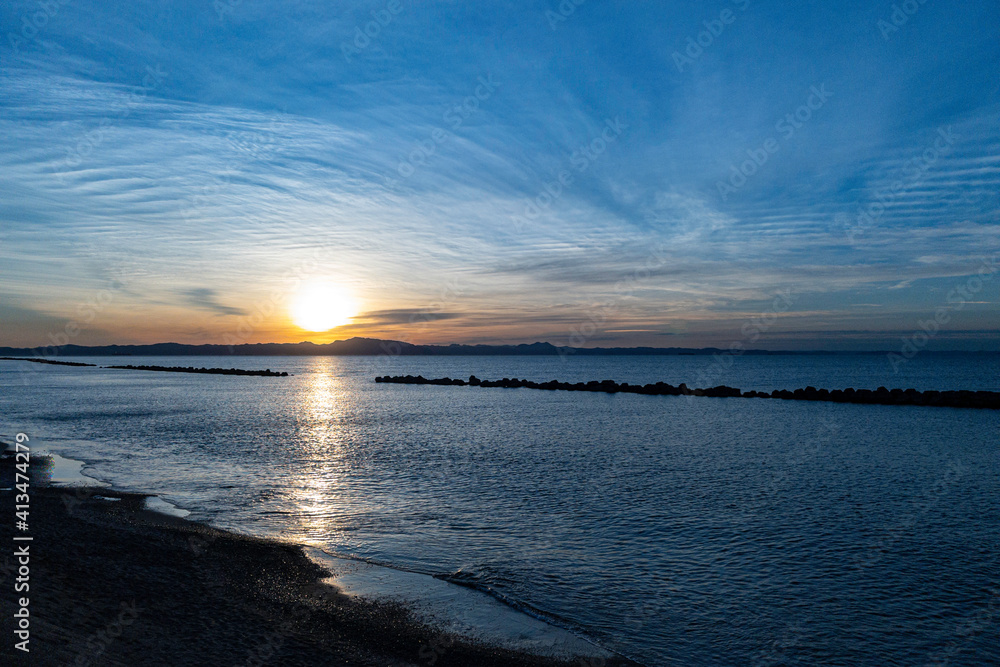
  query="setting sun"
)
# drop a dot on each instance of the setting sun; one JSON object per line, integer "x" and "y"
{"x": 321, "y": 306}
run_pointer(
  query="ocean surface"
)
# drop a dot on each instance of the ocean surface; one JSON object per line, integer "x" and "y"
{"x": 675, "y": 530}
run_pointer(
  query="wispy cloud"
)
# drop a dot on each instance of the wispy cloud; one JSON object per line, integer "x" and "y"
{"x": 207, "y": 299}
{"x": 260, "y": 142}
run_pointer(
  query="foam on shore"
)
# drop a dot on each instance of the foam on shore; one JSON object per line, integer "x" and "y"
{"x": 68, "y": 472}
{"x": 454, "y": 609}
{"x": 158, "y": 504}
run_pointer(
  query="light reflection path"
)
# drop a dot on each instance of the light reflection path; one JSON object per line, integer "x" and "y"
{"x": 321, "y": 460}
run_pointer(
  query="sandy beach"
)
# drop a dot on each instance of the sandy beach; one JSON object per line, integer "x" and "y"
{"x": 112, "y": 583}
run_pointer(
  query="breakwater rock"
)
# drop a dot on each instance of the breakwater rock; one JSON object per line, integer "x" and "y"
{"x": 880, "y": 396}
{"x": 46, "y": 361}
{"x": 210, "y": 371}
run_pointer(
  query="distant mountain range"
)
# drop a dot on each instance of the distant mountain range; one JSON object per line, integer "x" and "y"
{"x": 363, "y": 346}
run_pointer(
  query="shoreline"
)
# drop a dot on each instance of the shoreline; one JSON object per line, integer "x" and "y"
{"x": 113, "y": 582}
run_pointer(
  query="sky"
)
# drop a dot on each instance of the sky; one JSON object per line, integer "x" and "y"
{"x": 770, "y": 174}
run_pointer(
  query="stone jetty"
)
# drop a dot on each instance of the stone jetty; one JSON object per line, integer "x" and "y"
{"x": 210, "y": 371}
{"x": 46, "y": 361}
{"x": 880, "y": 396}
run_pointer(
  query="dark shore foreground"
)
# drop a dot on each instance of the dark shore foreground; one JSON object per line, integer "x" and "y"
{"x": 114, "y": 584}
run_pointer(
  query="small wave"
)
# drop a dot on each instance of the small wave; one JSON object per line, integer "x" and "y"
{"x": 477, "y": 582}
{"x": 494, "y": 619}
{"x": 157, "y": 504}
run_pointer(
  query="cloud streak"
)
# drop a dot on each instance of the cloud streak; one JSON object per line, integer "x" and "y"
{"x": 257, "y": 142}
{"x": 206, "y": 299}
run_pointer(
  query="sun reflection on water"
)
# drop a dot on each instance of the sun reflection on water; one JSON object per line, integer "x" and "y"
{"x": 321, "y": 460}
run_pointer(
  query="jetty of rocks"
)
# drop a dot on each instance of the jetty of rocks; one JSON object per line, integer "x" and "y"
{"x": 210, "y": 371}
{"x": 46, "y": 361}
{"x": 880, "y": 396}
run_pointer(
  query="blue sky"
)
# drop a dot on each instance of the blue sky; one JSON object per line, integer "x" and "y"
{"x": 176, "y": 171}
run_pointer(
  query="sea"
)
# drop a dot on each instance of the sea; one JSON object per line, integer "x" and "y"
{"x": 670, "y": 529}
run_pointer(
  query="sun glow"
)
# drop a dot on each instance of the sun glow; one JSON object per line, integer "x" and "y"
{"x": 321, "y": 306}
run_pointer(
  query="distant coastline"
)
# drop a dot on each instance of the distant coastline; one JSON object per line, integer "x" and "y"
{"x": 377, "y": 347}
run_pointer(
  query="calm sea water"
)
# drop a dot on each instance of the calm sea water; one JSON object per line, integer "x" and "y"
{"x": 672, "y": 529}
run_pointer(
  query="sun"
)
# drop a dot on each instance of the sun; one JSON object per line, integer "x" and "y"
{"x": 321, "y": 306}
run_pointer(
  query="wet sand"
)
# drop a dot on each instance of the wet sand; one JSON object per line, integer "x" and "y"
{"x": 113, "y": 583}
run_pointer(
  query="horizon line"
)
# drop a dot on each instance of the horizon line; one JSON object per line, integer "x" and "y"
{"x": 561, "y": 350}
